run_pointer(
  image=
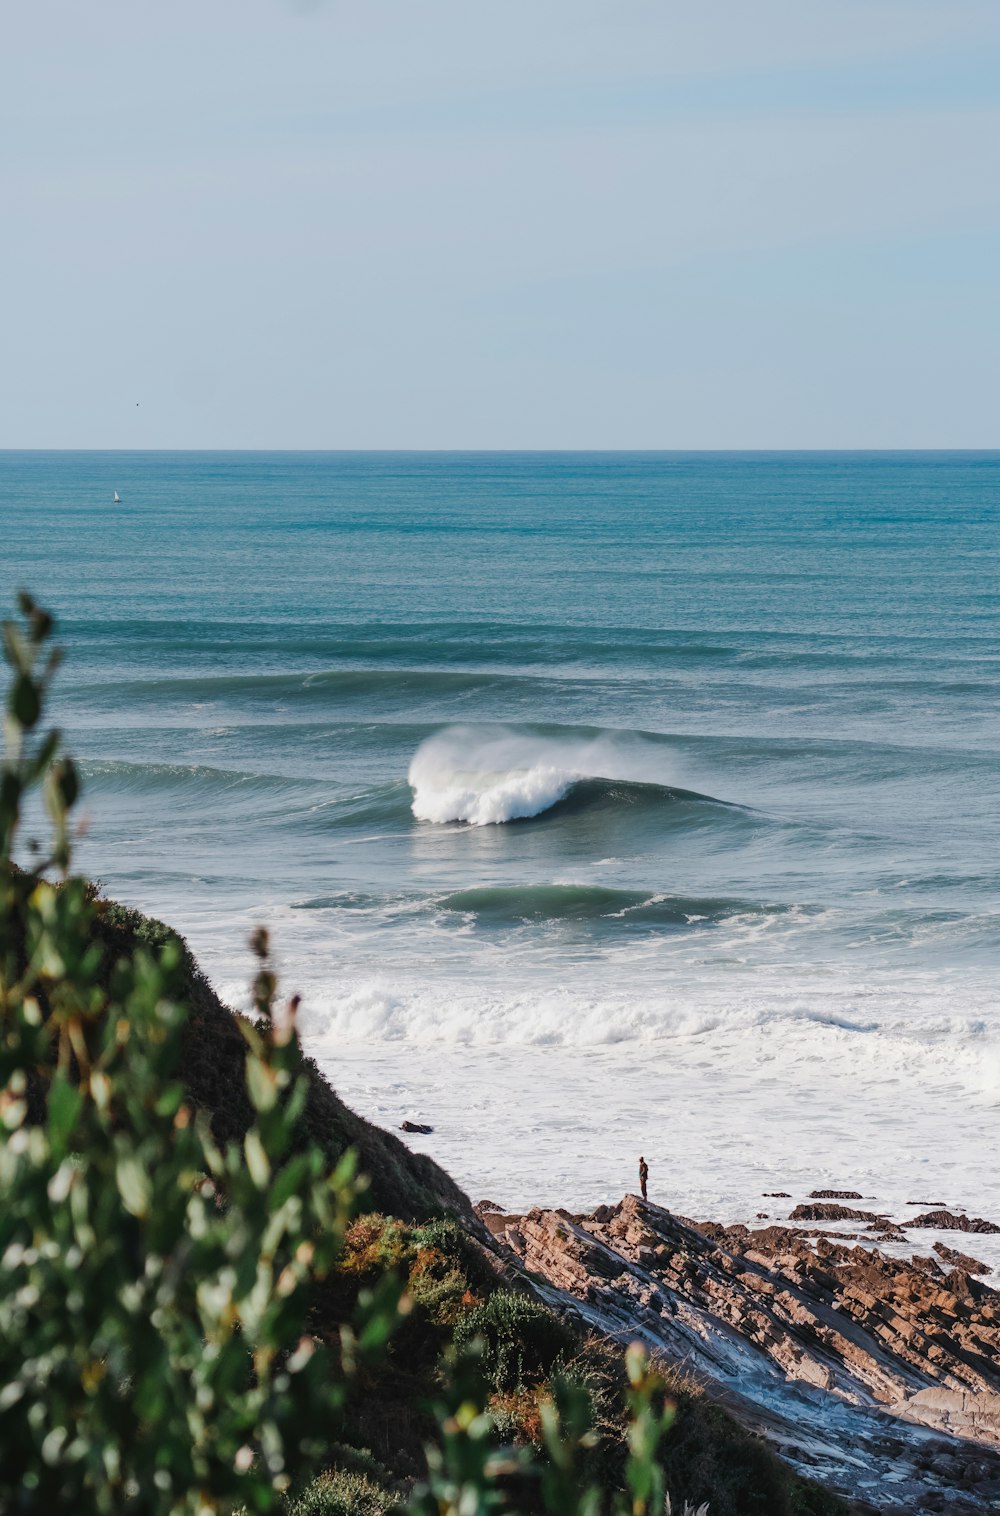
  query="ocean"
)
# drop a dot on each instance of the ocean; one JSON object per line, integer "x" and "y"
{"x": 597, "y": 803}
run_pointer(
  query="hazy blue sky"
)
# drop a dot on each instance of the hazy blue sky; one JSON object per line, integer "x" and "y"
{"x": 531, "y": 223}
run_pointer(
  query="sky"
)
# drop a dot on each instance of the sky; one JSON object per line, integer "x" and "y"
{"x": 527, "y": 224}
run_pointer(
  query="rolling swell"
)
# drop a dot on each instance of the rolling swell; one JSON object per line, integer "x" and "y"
{"x": 603, "y": 910}
{"x": 193, "y": 779}
{"x": 384, "y": 688}
{"x": 503, "y": 905}
{"x": 635, "y": 794}
{"x": 301, "y": 803}
{"x": 476, "y": 643}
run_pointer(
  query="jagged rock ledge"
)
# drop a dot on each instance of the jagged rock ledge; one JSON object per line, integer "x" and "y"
{"x": 879, "y": 1376}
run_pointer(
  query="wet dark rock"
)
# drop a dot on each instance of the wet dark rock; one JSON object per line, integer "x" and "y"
{"x": 959, "y": 1260}
{"x": 827, "y": 1211}
{"x": 415, "y": 1126}
{"x": 948, "y": 1221}
{"x": 835, "y": 1195}
{"x": 776, "y": 1195}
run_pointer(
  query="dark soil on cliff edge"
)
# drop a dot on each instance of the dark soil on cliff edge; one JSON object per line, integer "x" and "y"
{"x": 463, "y": 1285}
{"x": 402, "y": 1183}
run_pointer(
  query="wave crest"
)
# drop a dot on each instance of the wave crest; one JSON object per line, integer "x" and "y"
{"x": 489, "y": 800}
{"x": 488, "y": 776}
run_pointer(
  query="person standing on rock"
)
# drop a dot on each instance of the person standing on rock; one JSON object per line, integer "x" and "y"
{"x": 643, "y": 1175}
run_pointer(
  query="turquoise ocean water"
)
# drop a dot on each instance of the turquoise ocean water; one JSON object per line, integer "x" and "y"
{"x": 527, "y": 758}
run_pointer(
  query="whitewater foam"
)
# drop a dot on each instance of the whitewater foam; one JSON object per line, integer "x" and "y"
{"x": 488, "y": 799}
{"x": 736, "y": 1096}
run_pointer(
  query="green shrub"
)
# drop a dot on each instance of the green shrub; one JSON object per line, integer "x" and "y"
{"x": 521, "y": 1340}
{"x": 342, "y": 1492}
{"x": 442, "y": 1232}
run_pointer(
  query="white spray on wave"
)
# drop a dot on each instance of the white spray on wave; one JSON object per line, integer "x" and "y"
{"x": 487, "y": 775}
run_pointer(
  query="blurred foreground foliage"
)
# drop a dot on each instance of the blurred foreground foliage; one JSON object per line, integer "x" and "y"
{"x": 155, "y": 1286}
{"x": 190, "y": 1321}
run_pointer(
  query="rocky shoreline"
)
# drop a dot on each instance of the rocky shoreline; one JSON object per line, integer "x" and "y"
{"x": 876, "y": 1372}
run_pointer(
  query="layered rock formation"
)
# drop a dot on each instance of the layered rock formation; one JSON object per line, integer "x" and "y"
{"x": 878, "y": 1375}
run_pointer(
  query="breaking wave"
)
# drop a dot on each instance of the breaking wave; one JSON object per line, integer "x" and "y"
{"x": 485, "y": 777}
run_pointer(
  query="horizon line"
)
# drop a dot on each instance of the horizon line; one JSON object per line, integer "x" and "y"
{"x": 522, "y": 451}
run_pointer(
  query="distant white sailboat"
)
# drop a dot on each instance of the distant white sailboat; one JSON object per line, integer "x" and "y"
{"x": 118, "y": 498}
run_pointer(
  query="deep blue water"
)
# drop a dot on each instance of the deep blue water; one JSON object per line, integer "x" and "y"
{"x": 744, "y": 705}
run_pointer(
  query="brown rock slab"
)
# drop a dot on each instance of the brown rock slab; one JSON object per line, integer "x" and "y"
{"x": 948, "y": 1221}
{"x": 959, "y": 1260}
{"x": 826, "y": 1210}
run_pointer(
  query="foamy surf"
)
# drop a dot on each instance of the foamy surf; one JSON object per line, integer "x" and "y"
{"x": 488, "y": 799}
{"x": 742, "y": 1092}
